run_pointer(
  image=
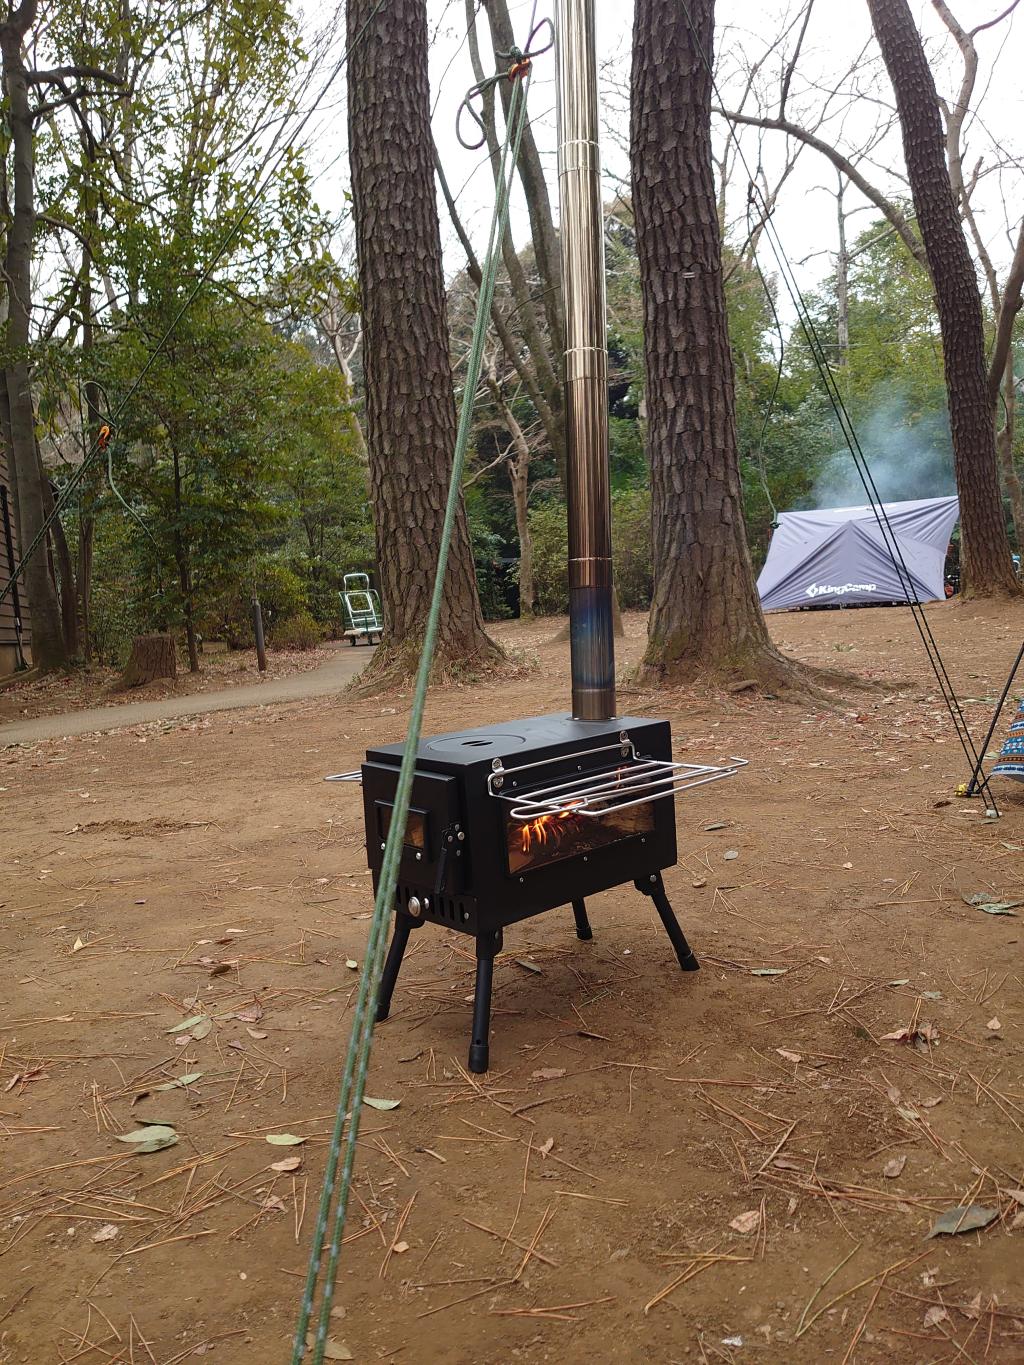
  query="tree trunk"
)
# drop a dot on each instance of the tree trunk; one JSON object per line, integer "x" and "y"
{"x": 90, "y": 486}
{"x": 985, "y": 548}
{"x": 705, "y": 613}
{"x": 410, "y": 407}
{"x": 1004, "y": 449}
{"x": 547, "y": 351}
{"x": 181, "y": 559}
{"x": 47, "y": 635}
{"x": 519, "y": 479}
{"x": 62, "y": 555}
{"x": 152, "y": 657}
{"x": 538, "y": 202}
{"x": 842, "y": 294}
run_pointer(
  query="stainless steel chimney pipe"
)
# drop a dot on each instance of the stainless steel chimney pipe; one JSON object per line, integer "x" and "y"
{"x": 586, "y": 365}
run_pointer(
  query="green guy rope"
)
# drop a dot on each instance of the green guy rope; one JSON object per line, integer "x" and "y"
{"x": 353, "y": 1080}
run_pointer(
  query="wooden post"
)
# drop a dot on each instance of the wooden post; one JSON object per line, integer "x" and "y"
{"x": 257, "y": 625}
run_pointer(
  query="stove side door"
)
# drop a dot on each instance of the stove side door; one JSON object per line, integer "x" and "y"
{"x": 434, "y": 819}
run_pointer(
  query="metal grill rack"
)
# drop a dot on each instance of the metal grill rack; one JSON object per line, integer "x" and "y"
{"x": 631, "y": 782}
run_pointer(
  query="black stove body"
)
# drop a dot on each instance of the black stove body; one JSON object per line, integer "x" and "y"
{"x": 513, "y": 819}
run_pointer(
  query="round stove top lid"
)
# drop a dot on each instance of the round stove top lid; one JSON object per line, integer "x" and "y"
{"x": 475, "y": 741}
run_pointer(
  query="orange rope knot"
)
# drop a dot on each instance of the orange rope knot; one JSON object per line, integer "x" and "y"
{"x": 103, "y": 437}
{"x": 519, "y": 68}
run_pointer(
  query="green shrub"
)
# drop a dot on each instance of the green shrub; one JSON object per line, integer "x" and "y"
{"x": 631, "y": 547}
{"x": 631, "y": 552}
{"x": 550, "y": 558}
{"x": 299, "y": 631}
{"x": 491, "y": 574}
{"x": 282, "y": 596}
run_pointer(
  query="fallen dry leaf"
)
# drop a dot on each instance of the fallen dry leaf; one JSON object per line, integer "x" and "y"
{"x": 106, "y": 1233}
{"x": 789, "y": 1056}
{"x": 400, "y": 1247}
{"x": 935, "y": 1315}
{"x": 973, "y": 1309}
{"x": 255, "y": 1032}
{"x": 748, "y": 1222}
{"x": 546, "y": 1147}
{"x": 290, "y": 1163}
{"x": 548, "y": 1073}
{"x": 994, "y": 1025}
{"x": 249, "y": 1014}
{"x": 963, "y": 1218}
{"x": 894, "y": 1168}
{"x": 333, "y": 1350}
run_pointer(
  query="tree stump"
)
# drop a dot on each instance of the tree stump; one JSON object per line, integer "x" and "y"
{"x": 152, "y": 656}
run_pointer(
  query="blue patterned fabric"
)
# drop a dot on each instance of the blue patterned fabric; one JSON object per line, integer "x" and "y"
{"x": 1011, "y": 755}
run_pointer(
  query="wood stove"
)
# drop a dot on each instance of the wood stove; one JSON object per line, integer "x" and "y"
{"x": 513, "y": 819}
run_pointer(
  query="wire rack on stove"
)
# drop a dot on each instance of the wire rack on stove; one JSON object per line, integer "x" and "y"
{"x": 632, "y": 782}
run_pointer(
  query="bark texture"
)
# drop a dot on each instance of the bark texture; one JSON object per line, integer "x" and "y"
{"x": 985, "y": 547}
{"x": 410, "y": 406}
{"x": 48, "y": 650}
{"x": 705, "y": 614}
{"x": 152, "y": 657}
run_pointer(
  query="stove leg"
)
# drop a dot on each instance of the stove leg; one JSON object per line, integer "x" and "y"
{"x": 403, "y": 928}
{"x": 487, "y": 945}
{"x": 583, "y": 929}
{"x": 655, "y": 888}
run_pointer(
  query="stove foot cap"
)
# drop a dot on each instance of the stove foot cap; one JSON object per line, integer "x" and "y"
{"x": 478, "y": 1058}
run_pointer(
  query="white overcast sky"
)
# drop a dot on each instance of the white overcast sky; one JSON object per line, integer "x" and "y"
{"x": 805, "y": 219}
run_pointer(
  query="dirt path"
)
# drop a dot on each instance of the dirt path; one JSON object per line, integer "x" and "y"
{"x": 635, "y": 1120}
{"x": 340, "y": 668}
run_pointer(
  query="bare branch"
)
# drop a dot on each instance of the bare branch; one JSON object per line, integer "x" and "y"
{"x": 1008, "y": 310}
{"x": 842, "y": 163}
{"x": 791, "y": 64}
{"x": 78, "y": 73}
{"x": 991, "y": 23}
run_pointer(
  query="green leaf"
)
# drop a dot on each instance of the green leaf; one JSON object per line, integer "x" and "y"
{"x": 153, "y": 1138}
{"x": 203, "y": 1027}
{"x": 964, "y": 1218}
{"x": 186, "y": 1023}
{"x": 992, "y": 905}
{"x": 284, "y": 1140}
{"x": 180, "y": 1081}
{"x": 768, "y": 971}
{"x": 381, "y": 1104}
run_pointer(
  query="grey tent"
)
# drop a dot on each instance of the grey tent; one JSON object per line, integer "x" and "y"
{"x": 838, "y": 556}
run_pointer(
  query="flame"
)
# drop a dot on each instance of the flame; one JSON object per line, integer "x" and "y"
{"x": 544, "y": 830}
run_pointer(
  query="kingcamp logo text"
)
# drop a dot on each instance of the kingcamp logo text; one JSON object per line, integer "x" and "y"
{"x": 820, "y": 589}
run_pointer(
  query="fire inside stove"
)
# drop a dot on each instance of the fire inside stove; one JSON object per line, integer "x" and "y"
{"x": 548, "y": 838}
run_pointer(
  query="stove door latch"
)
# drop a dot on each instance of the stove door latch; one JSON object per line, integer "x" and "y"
{"x": 452, "y": 838}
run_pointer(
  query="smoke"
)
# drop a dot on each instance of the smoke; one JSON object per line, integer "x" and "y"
{"x": 908, "y": 453}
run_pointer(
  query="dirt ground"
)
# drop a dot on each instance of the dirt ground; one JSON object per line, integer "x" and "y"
{"x": 59, "y": 693}
{"x": 632, "y": 1114}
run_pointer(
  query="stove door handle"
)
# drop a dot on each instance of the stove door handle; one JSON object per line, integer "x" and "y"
{"x": 448, "y": 840}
